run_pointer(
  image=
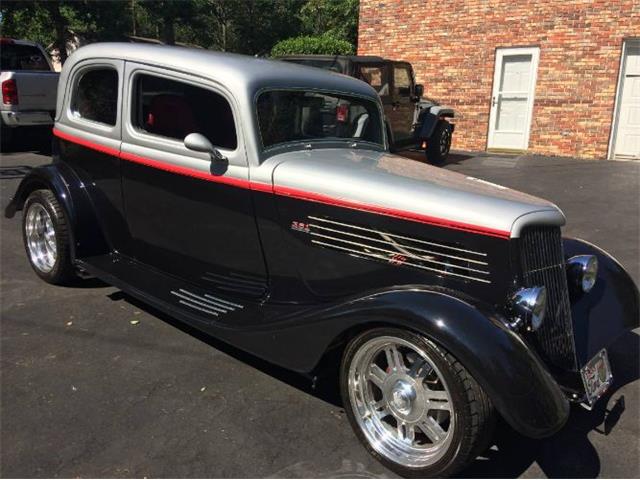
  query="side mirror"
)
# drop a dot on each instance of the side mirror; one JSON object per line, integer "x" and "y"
{"x": 419, "y": 90}
{"x": 199, "y": 143}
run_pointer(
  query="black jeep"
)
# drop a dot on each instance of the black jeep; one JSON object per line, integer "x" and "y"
{"x": 412, "y": 122}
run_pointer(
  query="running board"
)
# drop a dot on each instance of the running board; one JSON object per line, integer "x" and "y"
{"x": 183, "y": 300}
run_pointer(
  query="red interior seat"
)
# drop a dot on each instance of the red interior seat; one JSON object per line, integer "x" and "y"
{"x": 171, "y": 116}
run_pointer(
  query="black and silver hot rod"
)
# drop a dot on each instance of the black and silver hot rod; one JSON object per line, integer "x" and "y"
{"x": 257, "y": 201}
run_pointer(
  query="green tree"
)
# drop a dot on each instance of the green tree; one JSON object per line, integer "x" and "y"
{"x": 337, "y": 18}
{"x": 320, "y": 45}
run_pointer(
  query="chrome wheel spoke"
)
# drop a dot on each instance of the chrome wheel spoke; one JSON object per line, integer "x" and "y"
{"x": 376, "y": 375}
{"x": 431, "y": 429}
{"x": 406, "y": 433}
{"x": 394, "y": 358}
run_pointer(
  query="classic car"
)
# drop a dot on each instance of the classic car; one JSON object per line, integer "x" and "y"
{"x": 413, "y": 121}
{"x": 213, "y": 187}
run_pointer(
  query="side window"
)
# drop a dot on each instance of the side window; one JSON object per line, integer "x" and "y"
{"x": 375, "y": 76}
{"x": 175, "y": 109}
{"x": 401, "y": 81}
{"x": 96, "y": 96}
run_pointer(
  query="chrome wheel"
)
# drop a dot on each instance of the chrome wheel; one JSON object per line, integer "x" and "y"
{"x": 40, "y": 237}
{"x": 401, "y": 401}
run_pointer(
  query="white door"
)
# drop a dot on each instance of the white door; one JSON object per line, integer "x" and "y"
{"x": 514, "y": 84}
{"x": 627, "y": 131}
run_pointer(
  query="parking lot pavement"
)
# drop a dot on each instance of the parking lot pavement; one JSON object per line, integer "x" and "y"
{"x": 94, "y": 384}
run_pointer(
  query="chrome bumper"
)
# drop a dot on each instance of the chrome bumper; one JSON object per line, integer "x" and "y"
{"x": 25, "y": 119}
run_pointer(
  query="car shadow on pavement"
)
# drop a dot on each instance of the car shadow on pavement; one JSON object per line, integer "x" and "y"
{"x": 324, "y": 390}
{"x": 13, "y": 172}
{"x": 568, "y": 453}
{"x": 32, "y": 139}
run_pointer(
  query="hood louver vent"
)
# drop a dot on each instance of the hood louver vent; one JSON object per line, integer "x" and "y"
{"x": 439, "y": 258}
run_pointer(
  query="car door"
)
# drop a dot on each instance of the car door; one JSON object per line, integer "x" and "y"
{"x": 188, "y": 215}
{"x": 402, "y": 104}
{"x": 88, "y": 136}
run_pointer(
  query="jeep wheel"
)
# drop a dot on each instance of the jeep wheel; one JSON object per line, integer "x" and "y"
{"x": 439, "y": 144}
{"x": 46, "y": 237}
{"x": 412, "y": 404}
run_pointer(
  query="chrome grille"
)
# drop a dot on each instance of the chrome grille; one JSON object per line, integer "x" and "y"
{"x": 543, "y": 264}
{"x": 443, "y": 259}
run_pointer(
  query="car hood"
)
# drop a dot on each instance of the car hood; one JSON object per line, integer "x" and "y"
{"x": 392, "y": 185}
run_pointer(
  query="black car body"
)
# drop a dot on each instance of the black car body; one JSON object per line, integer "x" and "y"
{"x": 217, "y": 188}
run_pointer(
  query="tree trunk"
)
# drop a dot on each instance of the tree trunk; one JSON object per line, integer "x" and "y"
{"x": 60, "y": 25}
{"x": 168, "y": 30}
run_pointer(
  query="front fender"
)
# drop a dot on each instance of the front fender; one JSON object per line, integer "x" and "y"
{"x": 608, "y": 310}
{"x": 516, "y": 380}
{"x": 86, "y": 237}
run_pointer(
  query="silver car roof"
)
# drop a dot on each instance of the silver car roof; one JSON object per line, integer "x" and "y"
{"x": 241, "y": 74}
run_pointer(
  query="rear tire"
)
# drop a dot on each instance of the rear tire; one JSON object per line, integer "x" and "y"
{"x": 425, "y": 416}
{"x": 45, "y": 232}
{"x": 439, "y": 144}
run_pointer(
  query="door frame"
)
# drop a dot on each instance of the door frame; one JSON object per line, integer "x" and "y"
{"x": 501, "y": 52}
{"x": 615, "y": 119}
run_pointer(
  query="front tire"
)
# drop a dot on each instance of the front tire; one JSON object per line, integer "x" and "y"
{"x": 413, "y": 406}
{"x": 45, "y": 231}
{"x": 439, "y": 144}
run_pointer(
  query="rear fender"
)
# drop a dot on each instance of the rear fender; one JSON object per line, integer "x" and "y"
{"x": 514, "y": 377}
{"x": 87, "y": 239}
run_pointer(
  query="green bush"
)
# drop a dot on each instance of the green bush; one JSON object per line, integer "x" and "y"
{"x": 320, "y": 45}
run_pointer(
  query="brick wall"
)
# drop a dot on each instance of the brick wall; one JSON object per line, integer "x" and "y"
{"x": 452, "y": 47}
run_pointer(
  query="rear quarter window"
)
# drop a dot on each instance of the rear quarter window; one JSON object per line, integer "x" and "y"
{"x": 95, "y": 97}
{"x": 23, "y": 57}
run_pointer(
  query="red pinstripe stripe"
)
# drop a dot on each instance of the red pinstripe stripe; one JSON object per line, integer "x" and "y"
{"x": 390, "y": 212}
{"x": 86, "y": 143}
{"x": 287, "y": 191}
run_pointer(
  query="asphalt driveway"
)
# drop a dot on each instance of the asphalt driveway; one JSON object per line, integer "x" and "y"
{"x": 94, "y": 384}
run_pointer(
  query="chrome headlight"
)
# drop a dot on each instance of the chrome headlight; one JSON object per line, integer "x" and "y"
{"x": 583, "y": 271}
{"x": 530, "y": 304}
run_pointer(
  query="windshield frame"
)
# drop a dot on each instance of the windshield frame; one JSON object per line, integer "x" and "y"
{"x": 333, "y": 142}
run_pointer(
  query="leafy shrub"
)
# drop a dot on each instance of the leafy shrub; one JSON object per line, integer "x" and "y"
{"x": 319, "y": 45}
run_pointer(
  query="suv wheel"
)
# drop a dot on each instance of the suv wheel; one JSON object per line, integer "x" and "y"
{"x": 440, "y": 143}
{"x": 412, "y": 404}
{"x": 46, "y": 237}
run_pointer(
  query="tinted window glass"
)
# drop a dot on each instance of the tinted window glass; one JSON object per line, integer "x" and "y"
{"x": 96, "y": 96}
{"x": 375, "y": 76}
{"x": 22, "y": 57}
{"x": 175, "y": 109}
{"x": 298, "y": 116}
{"x": 401, "y": 81}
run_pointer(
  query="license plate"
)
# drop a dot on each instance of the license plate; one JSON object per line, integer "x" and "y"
{"x": 596, "y": 376}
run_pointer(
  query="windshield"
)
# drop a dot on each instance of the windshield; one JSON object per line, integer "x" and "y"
{"x": 301, "y": 116}
{"x": 22, "y": 57}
